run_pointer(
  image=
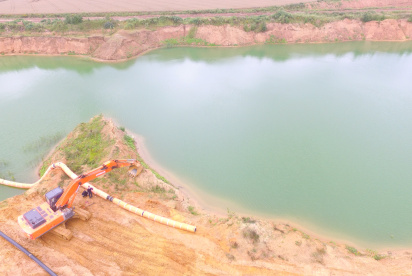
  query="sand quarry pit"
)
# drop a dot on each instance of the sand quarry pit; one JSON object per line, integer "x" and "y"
{"x": 82, "y": 6}
{"x": 117, "y": 242}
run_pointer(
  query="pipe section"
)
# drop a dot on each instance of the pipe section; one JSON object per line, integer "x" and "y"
{"x": 22, "y": 249}
{"x": 102, "y": 194}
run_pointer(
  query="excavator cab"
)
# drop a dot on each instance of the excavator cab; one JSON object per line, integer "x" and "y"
{"x": 53, "y": 196}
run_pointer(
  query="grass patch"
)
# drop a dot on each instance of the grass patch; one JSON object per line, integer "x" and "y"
{"x": 88, "y": 147}
{"x": 372, "y": 16}
{"x": 305, "y": 236}
{"x": 130, "y": 142}
{"x": 158, "y": 190}
{"x": 375, "y": 255}
{"x": 274, "y": 40}
{"x": 44, "y": 167}
{"x": 192, "y": 210}
{"x": 146, "y": 166}
{"x": 353, "y": 250}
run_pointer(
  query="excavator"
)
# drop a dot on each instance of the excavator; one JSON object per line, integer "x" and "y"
{"x": 58, "y": 206}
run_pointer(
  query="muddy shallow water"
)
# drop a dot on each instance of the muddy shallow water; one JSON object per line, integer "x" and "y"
{"x": 319, "y": 134}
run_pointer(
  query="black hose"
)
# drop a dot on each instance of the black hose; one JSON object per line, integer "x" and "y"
{"x": 7, "y": 238}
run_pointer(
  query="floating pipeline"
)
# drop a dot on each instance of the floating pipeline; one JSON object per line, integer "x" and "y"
{"x": 102, "y": 194}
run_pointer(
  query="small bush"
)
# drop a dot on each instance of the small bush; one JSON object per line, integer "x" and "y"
{"x": 379, "y": 257}
{"x": 410, "y": 19}
{"x": 372, "y": 16}
{"x": 234, "y": 245}
{"x": 192, "y": 210}
{"x": 230, "y": 257}
{"x": 108, "y": 25}
{"x": 251, "y": 234}
{"x": 318, "y": 255}
{"x": 282, "y": 17}
{"x": 248, "y": 220}
{"x": 353, "y": 250}
{"x": 158, "y": 190}
{"x": 73, "y": 19}
{"x": 257, "y": 26}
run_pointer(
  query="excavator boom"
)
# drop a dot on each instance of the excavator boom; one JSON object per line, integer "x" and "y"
{"x": 58, "y": 209}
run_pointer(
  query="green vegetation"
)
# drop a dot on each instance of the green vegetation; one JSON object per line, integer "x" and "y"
{"x": 88, "y": 147}
{"x": 294, "y": 13}
{"x": 353, "y": 250}
{"x": 305, "y": 236}
{"x": 257, "y": 26}
{"x": 379, "y": 257}
{"x": 298, "y": 243}
{"x": 372, "y": 16}
{"x": 44, "y": 167}
{"x": 192, "y": 210}
{"x": 248, "y": 220}
{"x": 251, "y": 234}
{"x": 230, "y": 257}
{"x": 273, "y": 40}
{"x": 122, "y": 129}
{"x": 158, "y": 190}
{"x": 190, "y": 39}
{"x": 410, "y": 19}
{"x": 129, "y": 142}
{"x": 73, "y": 19}
{"x": 318, "y": 255}
{"x": 146, "y": 166}
{"x": 375, "y": 255}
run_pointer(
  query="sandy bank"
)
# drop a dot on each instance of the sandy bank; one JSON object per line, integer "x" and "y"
{"x": 128, "y": 44}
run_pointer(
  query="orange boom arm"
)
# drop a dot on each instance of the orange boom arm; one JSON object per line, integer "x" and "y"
{"x": 67, "y": 198}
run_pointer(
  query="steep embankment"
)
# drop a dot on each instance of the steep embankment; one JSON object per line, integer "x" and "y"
{"x": 127, "y": 44}
{"x": 117, "y": 242}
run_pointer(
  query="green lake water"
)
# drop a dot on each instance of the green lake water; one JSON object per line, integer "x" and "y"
{"x": 318, "y": 134}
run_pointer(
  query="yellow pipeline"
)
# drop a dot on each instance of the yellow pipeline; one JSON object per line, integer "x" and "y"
{"x": 100, "y": 193}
